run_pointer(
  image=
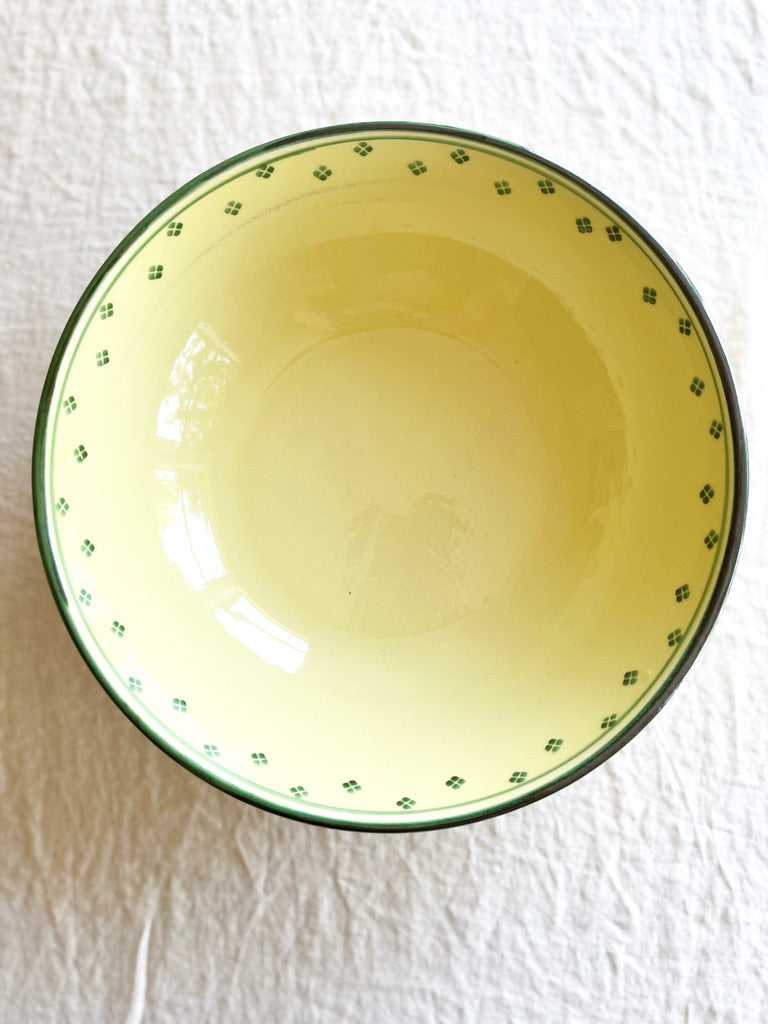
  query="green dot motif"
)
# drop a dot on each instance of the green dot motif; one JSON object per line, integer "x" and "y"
{"x": 455, "y": 782}
{"x": 417, "y": 167}
{"x": 516, "y": 778}
{"x": 405, "y": 803}
{"x": 352, "y": 786}
{"x": 553, "y": 745}
{"x": 649, "y": 296}
{"x": 460, "y": 156}
{"x": 503, "y": 187}
{"x": 259, "y": 759}
{"x": 584, "y": 224}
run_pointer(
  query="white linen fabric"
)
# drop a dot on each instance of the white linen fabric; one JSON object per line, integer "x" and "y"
{"x": 131, "y": 891}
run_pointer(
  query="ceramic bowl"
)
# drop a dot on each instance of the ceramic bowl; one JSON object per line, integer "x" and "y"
{"x": 389, "y": 476}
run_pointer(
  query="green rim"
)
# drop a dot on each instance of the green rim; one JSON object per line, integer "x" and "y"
{"x": 720, "y": 370}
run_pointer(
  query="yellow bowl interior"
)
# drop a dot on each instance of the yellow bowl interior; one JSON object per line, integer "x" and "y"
{"x": 387, "y": 476}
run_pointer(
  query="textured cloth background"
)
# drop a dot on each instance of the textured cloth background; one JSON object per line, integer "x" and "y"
{"x": 132, "y": 892}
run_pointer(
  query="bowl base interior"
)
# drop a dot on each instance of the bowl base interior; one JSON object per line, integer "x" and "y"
{"x": 392, "y": 478}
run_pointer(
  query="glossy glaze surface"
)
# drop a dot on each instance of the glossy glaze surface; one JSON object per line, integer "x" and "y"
{"x": 387, "y": 479}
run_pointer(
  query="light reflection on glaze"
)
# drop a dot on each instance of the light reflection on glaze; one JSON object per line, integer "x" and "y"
{"x": 261, "y": 635}
{"x": 199, "y": 373}
{"x": 185, "y": 416}
{"x": 186, "y": 533}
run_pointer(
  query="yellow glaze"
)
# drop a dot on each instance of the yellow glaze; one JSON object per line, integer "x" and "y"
{"x": 395, "y": 477}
